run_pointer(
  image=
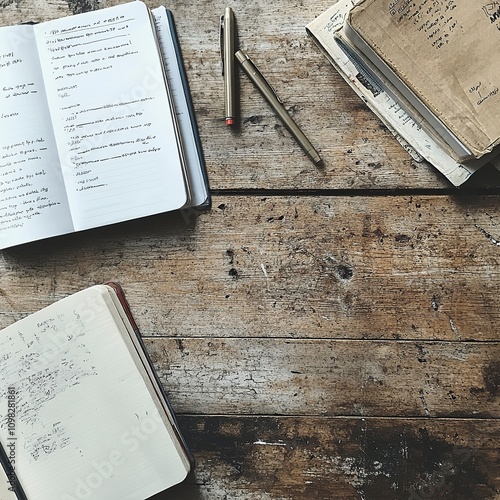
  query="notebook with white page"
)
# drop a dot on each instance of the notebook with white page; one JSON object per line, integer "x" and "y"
{"x": 91, "y": 132}
{"x": 82, "y": 413}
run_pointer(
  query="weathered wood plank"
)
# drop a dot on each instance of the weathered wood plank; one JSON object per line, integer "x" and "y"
{"x": 422, "y": 267}
{"x": 273, "y": 305}
{"x": 357, "y": 149}
{"x": 329, "y": 377}
{"x": 328, "y": 458}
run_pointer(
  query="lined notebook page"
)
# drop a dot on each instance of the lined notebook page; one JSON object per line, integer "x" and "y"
{"x": 84, "y": 420}
{"x": 33, "y": 202}
{"x": 109, "y": 105}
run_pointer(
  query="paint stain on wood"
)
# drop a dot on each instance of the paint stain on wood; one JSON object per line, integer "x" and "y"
{"x": 361, "y": 460}
{"x": 491, "y": 375}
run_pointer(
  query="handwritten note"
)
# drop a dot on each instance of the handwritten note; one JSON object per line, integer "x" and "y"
{"x": 442, "y": 53}
{"x": 89, "y": 132}
{"x": 78, "y": 398}
{"x": 50, "y": 357}
{"x": 117, "y": 142}
{"x": 439, "y": 22}
{"x": 31, "y": 186}
{"x": 434, "y": 18}
{"x": 327, "y": 31}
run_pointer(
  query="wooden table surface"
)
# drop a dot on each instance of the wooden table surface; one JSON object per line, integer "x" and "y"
{"x": 321, "y": 332}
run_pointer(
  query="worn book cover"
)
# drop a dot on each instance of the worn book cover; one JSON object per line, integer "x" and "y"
{"x": 444, "y": 52}
{"x": 328, "y": 32}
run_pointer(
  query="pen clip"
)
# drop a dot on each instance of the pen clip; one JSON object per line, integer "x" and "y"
{"x": 221, "y": 42}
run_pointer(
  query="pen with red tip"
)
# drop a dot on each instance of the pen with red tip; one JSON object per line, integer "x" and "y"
{"x": 227, "y": 36}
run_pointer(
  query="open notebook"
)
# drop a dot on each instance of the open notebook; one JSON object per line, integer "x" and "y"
{"x": 97, "y": 123}
{"x": 82, "y": 414}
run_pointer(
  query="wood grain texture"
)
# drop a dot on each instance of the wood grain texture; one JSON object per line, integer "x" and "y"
{"x": 415, "y": 267}
{"x": 329, "y": 377}
{"x": 268, "y": 458}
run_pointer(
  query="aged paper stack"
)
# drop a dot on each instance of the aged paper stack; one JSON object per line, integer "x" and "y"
{"x": 425, "y": 69}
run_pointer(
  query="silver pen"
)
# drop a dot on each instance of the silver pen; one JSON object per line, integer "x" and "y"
{"x": 270, "y": 95}
{"x": 227, "y": 36}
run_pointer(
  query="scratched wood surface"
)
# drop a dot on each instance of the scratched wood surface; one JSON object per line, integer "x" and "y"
{"x": 287, "y": 266}
{"x": 333, "y": 335}
{"x": 272, "y": 458}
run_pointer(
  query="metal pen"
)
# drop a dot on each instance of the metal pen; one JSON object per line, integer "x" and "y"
{"x": 227, "y": 35}
{"x": 270, "y": 95}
